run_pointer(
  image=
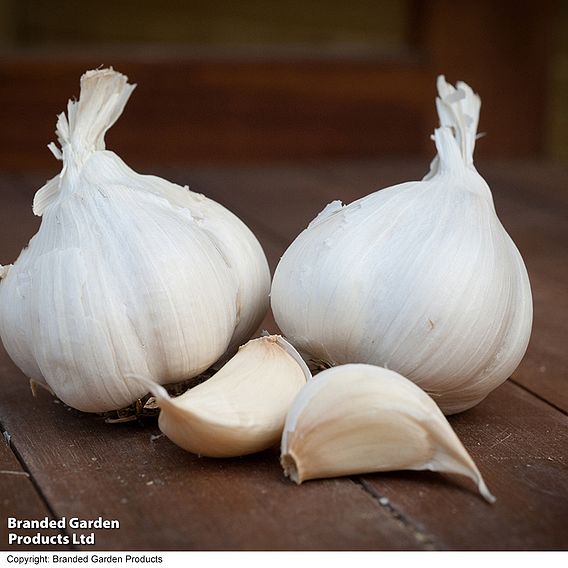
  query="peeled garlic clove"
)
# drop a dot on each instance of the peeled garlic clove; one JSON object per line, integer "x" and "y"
{"x": 359, "y": 418}
{"x": 420, "y": 278}
{"x": 129, "y": 274}
{"x": 242, "y": 408}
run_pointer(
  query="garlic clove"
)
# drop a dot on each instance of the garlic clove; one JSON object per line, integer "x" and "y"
{"x": 359, "y": 418}
{"x": 242, "y": 408}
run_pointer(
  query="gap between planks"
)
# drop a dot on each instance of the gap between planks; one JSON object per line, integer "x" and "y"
{"x": 28, "y": 474}
{"x": 536, "y": 395}
{"x": 423, "y": 540}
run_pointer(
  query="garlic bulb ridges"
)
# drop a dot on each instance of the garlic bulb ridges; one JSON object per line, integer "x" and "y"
{"x": 242, "y": 408}
{"x": 420, "y": 278}
{"x": 358, "y": 418}
{"x": 128, "y": 274}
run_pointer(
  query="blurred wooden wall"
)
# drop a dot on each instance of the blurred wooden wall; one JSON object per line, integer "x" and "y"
{"x": 264, "y": 81}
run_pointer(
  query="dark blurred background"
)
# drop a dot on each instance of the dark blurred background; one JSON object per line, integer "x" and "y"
{"x": 252, "y": 81}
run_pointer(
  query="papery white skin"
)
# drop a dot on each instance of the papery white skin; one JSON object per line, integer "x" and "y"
{"x": 128, "y": 273}
{"x": 421, "y": 277}
{"x": 242, "y": 408}
{"x": 360, "y": 418}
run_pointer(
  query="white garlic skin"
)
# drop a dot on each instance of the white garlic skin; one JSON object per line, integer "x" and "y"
{"x": 420, "y": 278}
{"x": 128, "y": 274}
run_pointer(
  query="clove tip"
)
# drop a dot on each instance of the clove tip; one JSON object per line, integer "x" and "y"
{"x": 485, "y": 493}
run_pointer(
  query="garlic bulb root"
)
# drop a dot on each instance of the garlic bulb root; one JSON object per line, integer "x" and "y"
{"x": 358, "y": 418}
{"x": 128, "y": 274}
{"x": 242, "y": 408}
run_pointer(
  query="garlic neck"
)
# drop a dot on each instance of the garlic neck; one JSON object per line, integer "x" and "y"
{"x": 81, "y": 132}
{"x": 74, "y": 158}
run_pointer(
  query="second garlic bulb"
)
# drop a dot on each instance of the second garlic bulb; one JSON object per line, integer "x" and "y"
{"x": 420, "y": 278}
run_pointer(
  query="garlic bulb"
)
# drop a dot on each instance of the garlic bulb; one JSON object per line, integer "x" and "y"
{"x": 359, "y": 418}
{"x": 128, "y": 273}
{"x": 242, "y": 408}
{"x": 421, "y": 277}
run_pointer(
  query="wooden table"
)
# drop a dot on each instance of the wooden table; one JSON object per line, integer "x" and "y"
{"x": 59, "y": 462}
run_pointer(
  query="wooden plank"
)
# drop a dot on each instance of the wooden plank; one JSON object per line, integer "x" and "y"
{"x": 544, "y": 369}
{"x": 521, "y": 447}
{"x": 168, "y": 499}
{"x": 336, "y": 514}
{"x": 19, "y": 499}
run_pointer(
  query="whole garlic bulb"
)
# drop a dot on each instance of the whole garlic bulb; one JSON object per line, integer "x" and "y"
{"x": 128, "y": 274}
{"x": 420, "y": 278}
